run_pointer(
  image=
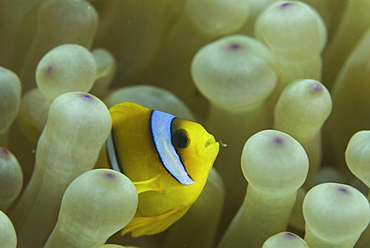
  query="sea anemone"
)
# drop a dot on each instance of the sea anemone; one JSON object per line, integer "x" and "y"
{"x": 282, "y": 85}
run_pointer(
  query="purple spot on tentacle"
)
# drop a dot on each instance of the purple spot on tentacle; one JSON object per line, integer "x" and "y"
{"x": 343, "y": 190}
{"x": 284, "y": 5}
{"x": 278, "y": 140}
{"x": 109, "y": 175}
{"x": 49, "y": 70}
{"x": 290, "y": 235}
{"x": 4, "y": 153}
{"x": 234, "y": 46}
{"x": 4, "y": 150}
{"x": 86, "y": 96}
{"x": 316, "y": 88}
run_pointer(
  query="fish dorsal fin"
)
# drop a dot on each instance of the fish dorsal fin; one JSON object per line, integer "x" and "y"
{"x": 141, "y": 225}
{"x": 160, "y": 124}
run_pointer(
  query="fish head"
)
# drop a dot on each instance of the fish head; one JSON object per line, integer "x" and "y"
{"x": 197, "y": 148}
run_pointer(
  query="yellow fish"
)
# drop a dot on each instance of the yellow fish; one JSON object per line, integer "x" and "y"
{"x": 167, "y": 158}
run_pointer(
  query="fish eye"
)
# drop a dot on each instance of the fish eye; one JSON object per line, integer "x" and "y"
{"x": 180, "y": 139}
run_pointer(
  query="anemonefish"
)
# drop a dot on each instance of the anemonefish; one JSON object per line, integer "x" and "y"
{"x": 167, "y": 158}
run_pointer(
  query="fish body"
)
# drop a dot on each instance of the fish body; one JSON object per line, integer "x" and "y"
{"x": 167, "y": 158}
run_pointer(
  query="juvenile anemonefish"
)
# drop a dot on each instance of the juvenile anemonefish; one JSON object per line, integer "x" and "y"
{"x": 167, "y": 158}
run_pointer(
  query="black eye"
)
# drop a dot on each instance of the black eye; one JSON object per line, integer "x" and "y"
{"x": 180, "y": 139}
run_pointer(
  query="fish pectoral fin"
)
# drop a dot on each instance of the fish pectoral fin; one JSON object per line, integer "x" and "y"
{"x": 148, "y": 185}
{"x": 151, "y": 225}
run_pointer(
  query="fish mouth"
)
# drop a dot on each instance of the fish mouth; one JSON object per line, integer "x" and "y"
{"x": 211, "y": 148}
{"x": 211, "y": 142}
